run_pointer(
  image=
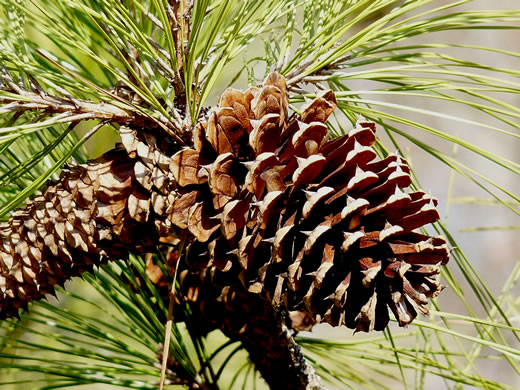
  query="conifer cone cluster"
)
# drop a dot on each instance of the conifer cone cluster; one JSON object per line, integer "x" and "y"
{"x": 320, "y": 227}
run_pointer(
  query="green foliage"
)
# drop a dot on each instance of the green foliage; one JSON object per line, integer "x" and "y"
{"x": 367, "y": 51}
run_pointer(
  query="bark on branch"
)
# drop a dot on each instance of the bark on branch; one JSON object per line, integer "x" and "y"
{"x": 72, "y": 109}
{"x": 265, "y": 332}
{"x": 274, "y": 351}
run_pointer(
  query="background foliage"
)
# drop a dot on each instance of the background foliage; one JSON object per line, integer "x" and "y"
{"x": 439, "y": 96}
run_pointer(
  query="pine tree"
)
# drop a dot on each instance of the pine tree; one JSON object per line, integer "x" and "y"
{"x": 263, "y": 220}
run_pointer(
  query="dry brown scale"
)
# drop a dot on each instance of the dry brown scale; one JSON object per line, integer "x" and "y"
{"x": 320, "y": 227}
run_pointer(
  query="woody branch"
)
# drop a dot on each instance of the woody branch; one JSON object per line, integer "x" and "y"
{"x": 72, "y": 109}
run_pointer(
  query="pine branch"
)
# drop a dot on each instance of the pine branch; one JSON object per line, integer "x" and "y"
{"x": 287, "y": 254}
{"x": 17, "y": 99}
{"x": 268, "y": 337}
{"x": 224, "y": 237}
{"x": 264, "y": 331}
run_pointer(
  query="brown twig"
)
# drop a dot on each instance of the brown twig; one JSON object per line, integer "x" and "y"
{"x": 298, "y": 76}
{"x": 263, "y": 331}
{"x": 72, "y": 109}
{"x": 175, "y": 130}
{"x": 75, "y": 109}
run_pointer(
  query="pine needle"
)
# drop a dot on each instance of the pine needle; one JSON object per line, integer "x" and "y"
{"x": 168, "y": 331}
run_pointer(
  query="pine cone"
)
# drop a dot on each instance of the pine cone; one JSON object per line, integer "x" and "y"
{"x": 93, "y": 212}
{"x": 319, "y": 227}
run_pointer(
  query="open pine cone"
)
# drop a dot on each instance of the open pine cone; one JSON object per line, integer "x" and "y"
{"x": 320, "y": 227}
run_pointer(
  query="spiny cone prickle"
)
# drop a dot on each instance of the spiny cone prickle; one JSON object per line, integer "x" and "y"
{"x": 318, "y": 226}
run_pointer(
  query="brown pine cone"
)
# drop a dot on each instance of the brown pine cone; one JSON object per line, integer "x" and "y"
{"x": 93, "y": 212}
{"x": 321, "y": 227}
